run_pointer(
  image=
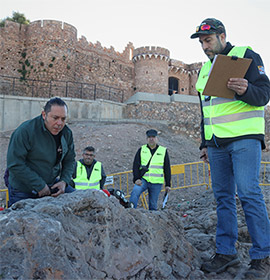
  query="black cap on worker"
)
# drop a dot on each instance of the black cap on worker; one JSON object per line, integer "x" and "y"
{"x": 209, "y": 26}
{"x": 151, "y": 132}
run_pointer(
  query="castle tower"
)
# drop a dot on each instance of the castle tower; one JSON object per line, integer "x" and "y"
{"x": 151, "y": 69}
{"x": 51, "y": 50}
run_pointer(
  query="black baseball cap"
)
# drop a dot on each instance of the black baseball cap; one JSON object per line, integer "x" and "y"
{"x": 209, "y": 26}
{"x": 151, "y": 132}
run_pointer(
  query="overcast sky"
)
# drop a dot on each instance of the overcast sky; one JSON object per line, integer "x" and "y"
{"x": 164, "y": 23}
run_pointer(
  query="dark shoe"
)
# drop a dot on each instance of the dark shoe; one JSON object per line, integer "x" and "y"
{"x": 258, "y": 269}
{"x": 219, "y": 263}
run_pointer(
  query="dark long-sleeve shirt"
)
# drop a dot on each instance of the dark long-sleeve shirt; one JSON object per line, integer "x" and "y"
{"x": 257, "y": 94}
{"x": 166, "y": 166}
{"x": 33, "y": 159}
{"x": 89, "y": 169}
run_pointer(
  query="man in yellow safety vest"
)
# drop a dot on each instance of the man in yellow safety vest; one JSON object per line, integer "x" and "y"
{"x": 151, "y": 168}
{"x": 232, "y": 132}
{"x": 88, "y": 172}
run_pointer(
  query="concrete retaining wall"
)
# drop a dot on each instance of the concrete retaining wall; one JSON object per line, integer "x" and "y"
{"x": 16, "y": 109}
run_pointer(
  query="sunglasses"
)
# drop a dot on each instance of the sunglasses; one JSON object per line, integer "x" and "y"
{"x": 205, "y": 27}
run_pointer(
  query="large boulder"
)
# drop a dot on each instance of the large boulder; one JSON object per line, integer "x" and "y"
{"x": 87, "y": 235}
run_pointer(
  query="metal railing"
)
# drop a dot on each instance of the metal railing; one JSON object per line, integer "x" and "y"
{"x": 5, "y": 192}
{"x": 38, "y": 88}
{"x": 185, "y": 175}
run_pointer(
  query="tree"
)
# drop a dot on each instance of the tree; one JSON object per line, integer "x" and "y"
{"x": 16, "y": 17}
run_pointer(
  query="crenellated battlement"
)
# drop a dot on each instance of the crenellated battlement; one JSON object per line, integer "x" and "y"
{"x": 176, "y": 66}
{"x": 152, "y": 51}
{"x": 52, "y": 26}
{"x": 51, "y": 30}
{"x": 47, "y": 28}
{"x": 83, "y": 44}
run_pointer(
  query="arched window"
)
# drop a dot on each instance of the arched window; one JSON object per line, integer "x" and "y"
{"x": 173, "y": 85}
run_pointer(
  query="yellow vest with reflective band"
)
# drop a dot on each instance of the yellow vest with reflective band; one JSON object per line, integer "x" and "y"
{"x": 81, "y": 181}
{"x": 228, "y": 118}
{"x": 155, "y": 174}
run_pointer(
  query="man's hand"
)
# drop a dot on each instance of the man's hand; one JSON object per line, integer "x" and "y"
{"x": 167, "y": 189}
{"x": 138, "y": 182}
{"x": 238, "y": 85}
{"x": 204, "y": 155}
{"x": 44, "y": 192}
{"x": 61, "y": 186}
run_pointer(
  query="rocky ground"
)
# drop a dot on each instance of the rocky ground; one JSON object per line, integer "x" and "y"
{"x": 116, "y": 145}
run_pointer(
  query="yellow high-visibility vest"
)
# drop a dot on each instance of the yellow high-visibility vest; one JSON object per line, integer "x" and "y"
{"x": 228, "y": 118}
{"x": 155, "y": 174}
{"x": 81, "y": 181}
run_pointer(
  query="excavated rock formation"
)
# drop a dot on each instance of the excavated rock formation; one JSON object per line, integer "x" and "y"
{"x": 87, "y": 235}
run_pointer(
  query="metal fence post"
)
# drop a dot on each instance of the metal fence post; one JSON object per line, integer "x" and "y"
{"x": 81, "y": 90}
{"x": 50, "y": 89}
{"x": 13, "y": 87}
{"x": 66, "y": 89}
{"x": 32, "y": 88}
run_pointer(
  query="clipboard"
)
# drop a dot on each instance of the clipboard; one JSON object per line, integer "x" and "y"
{"x": 223, "y": 68}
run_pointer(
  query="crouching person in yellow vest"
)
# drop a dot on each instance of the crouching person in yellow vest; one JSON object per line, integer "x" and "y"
{"x": 88, "y": 172}
{"x": 151, "y": 168}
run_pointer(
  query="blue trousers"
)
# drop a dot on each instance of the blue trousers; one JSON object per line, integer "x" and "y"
{"x": 236, "y": 167}
{"x": 153, "y": 193}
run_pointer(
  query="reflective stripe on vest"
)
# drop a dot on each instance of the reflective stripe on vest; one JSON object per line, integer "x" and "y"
{"x": 234, "y": 117}
{"x": 225, "y": 117}
{"x": 155, "y": 173}
{"x": 81, "y": 181}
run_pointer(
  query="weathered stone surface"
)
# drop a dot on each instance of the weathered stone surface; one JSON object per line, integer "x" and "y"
{"x": 86, "y": 235}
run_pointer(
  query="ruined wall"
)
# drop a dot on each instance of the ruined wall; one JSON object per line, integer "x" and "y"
{"x": 96, "y": 64}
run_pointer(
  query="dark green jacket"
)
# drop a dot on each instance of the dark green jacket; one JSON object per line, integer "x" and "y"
{"x": 31, "y": 156}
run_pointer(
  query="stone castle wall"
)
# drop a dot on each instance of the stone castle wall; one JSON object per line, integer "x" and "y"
{"x": 181, "y": 116}
{"x": 151, "y": 69}
{"x": 49, "y": 50}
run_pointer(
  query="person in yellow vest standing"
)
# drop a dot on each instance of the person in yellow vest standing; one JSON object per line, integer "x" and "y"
{"x": 88, "y": 172}
{"x": 232, "y": 132}
{"x": 151, "y": 168}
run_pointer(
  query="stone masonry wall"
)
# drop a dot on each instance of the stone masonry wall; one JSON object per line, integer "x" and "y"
{"x": 151, "y": 75}
{"x": 94, "y": 65}
{"x": 187, "y": 76}
{"x": 12, "y": 39}
{"x": 47, "y": 50}
{"x": 181, "y": 117}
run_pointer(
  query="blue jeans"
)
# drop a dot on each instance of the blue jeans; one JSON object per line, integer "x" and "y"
{"x": 15, "y": 195}
{"x": 153, "y": 193}
{"x": 237, "y": 165}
